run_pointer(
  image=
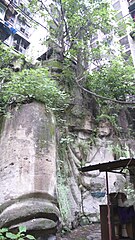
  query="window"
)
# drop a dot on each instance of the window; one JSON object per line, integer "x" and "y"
{"x": 117, "y": 6}
{"x": 20, "y": 44}
{"x": 124, "y": 42}
{"x": 15, "y": 2}
{"x": 132, "y": 34}
{"x": 133, "y": 15}
{"x": 4, "y": 31}
{"x": 2, "y": 11}
{"x": 119, "y": 15}
{"x": 27, "y": 30}
{"x": 22, "y": 29}
{"x": 10, "y": 16}
{"x": 132, "y": 10}
{"x": 23, "y": 26}
{"x": 25, "y": 9}
{"x": 127, "y": 55}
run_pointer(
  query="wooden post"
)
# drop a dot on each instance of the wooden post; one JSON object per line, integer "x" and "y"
{"x": 108, "y": 208}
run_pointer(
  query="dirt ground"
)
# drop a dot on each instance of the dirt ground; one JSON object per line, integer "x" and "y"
{"x": 89, "y": 232}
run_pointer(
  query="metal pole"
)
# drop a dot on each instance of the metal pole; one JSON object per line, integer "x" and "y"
{"x": 108, "y": 208}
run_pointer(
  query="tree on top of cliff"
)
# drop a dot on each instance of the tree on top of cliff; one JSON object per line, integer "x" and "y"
{"x": 72, "y": 27}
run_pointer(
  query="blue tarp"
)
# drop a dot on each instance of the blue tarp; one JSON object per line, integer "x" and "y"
{"x": 6, "y": 30}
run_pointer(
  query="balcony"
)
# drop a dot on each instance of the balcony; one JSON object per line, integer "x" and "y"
{"x": 7, "y": 16}
{"x": 2, "y": 11}
{"x": 20, "y": 43}
{"x": 6, "y": 30}
{"x": 5, "y": 2}
{"x": 23, "y": 26}
{"x": 15, "y": 2}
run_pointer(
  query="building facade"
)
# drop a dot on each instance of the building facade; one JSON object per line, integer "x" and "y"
{"x": 126, "y": 12}
{"x": 15, "y": 27}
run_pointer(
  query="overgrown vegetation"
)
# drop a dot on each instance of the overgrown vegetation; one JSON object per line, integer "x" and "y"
{"x": 6, "y": 234}
{"x": 120, "y": 150}
{"x": 114, "y": 79}
{"x": 34, "y": 84}
{"x": 72, "y": 28}
{"x": 63, "y": 189}
{"x": 7, "y": 56}
{"x": 72, "y": 24}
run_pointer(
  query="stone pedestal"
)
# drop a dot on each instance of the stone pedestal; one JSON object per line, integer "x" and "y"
{"x": 28, "y": 169}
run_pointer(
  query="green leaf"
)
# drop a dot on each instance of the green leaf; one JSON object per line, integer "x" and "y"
{"x": 11, "y": 235}
{"x": 3, "y": 230}
{"x": 22, "y": 229}
{"x": 30, "y": 236}
{"x": 2, "y": 238}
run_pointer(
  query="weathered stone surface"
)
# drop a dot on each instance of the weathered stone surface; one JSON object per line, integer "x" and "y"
{"x": 28, "y": 169}
{"x": 88, "y": 232}
{"x": 105, "y": 129}
{"x": 28, "y": 209}
{"x": 89, "y": 190}
{"x": 28, "y": 166}
{"x": 38, "y": 224}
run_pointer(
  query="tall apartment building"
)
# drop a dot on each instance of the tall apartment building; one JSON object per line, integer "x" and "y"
{"x": 15, "y": 28}
{"x": 126, "y": 11}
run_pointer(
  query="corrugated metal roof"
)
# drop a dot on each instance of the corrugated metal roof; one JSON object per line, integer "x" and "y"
{"x": 110, "y": 166}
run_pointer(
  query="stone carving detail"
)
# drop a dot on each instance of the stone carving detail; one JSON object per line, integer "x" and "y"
{"x": 105, "y": 129}
{"x": 91, "y": 185}
{"x": 28, "y": 168}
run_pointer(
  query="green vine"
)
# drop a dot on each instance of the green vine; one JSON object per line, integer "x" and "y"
{"x": 120, "y": 150}
{"x": 62, "y": 186}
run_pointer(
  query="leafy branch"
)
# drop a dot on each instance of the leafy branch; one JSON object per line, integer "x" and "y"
{"x": 113, "y": 82}
{"x": 104, "y": 98}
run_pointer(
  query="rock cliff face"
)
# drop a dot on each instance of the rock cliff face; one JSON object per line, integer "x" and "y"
{"x": 28, "y": 166}
{"x": 28, "y": 169}
{"x": 89, "y": 142}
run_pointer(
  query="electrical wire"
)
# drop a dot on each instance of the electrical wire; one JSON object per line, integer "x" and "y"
{"x": 26, "y": 15}
{"x": 127, "y": 14}
{"x": 30, "y": 18}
